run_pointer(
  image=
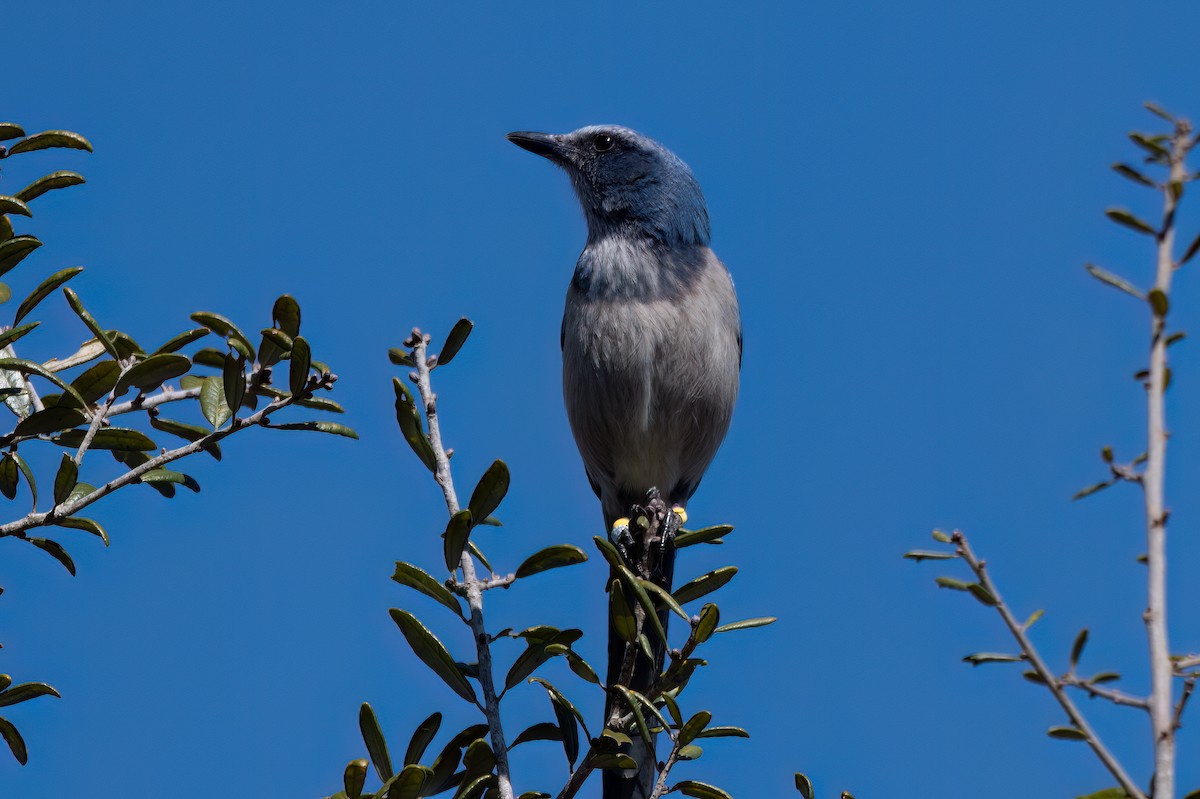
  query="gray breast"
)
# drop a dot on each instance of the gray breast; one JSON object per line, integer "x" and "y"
{"x": 651, "y": 354}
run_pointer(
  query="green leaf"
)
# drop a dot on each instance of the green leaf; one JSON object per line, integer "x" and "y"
{"x": 209, "y": 356}
{"x": 418, "y": 579}
{"x": 55, "y": 180}
{"x": 321, "y": 404}
{"x": 724, "y": 732}
{"x": 6, "y": 229}
{"x": 582, "y": 668}
{"x": 274, "y": 344}
{"x": 113, "y": 438}
{"x": 9, "y": 336}
{"x": 51, "y": 138}
{"x": 400, "y": 357}
{"x": 65, "y": 480}
{"x": 695, "y": 725}
{"x": 188, "y": 432}
{"x": 621, "y": 614}
{"x": 1066, "y": 733}
{"x": 569, "y": 732}
{"x": 552, "y": 557}
{"x": 299, "y": 365}
{"x": 613, "y": 761}
{"x": 1191, "y": 251}
{"x": 14, "y": 250}
{"x": 608, "y": 551}
{"x": 50, "y": 420}
{"x": 11, "y": 205}
{"x": 804, "y": 786}
{"x": 333, "y": 428}
{"x": 953, "y": 584}
{"x": 1092, "y": 489}
{"x": 421, "y": 737}
{"x": 979, "y": 658}
{"x": 14, "y": 740}
{"x": 707, "y": 535}
{"x": 10, "y": 130}
{"x": 1126, "y": 171}
{"x": 91, "y": 323}
{"x": 478, "y": 759}
{"x": 700, "y": 790}
{"x": 1105, "y": 676}
{"x": 177, "y": 343}
{"x": 690, "y": 752}
{"x": 710, "y": 616}
{"x": 168, "y": 476}
{"x": 354, "y": 777}
{"x": 941, "y": 537}
{"x": 643, "y": 598}
{"x": 56, "y": 551}
{"x": 233, "y": 381}
{"x": 1150, "y": 145}
{"x": 212, "y": 402}
{"x": 454, "y": 341}
{"x": 538, "y": 652}
{"x": 1117, "y": 282}
{"x": 919, "y": 555}
{"x": 225, "y": 328}
{"x": 1077, "y": 647}
{"x": 432, "y": 653}
{"x": 542, "y": 731}
{"x": 408, "y": 784}
{"x": 409, "y": 420}
{"x": 1158, "y": 302}
{"x": 704, "y": 584}
{"x": 638, "y": 717}
{"x": 454, "y": 540}
{"x": 1124, "y": 217}
{"x": 286, "y": 315}
{"x": 82, "y": 489}
{"x": 26, "y": 691}
{"x": 489, "y": 491}
{"x": 746, "y": 624}
{"x": 664, "y": 596}
{"x": 474, "y": 550}
{"x": 43, "y": 290}
{"x": 982, "y": 594}
{"x": 557, "y": 696}
{"x": 8, "y": 476}
{"x": 87, "y": 525}
{"x": 25, "y": 470}
{"x": 372, "y": 736}
{"x": 151, "y": 373}
{"x": 474, "y": 788}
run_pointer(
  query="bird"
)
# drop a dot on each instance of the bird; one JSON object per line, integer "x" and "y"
{"x": 651, "y": 344}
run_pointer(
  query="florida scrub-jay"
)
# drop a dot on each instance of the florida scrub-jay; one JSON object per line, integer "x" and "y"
{"x": 651, "y": 343}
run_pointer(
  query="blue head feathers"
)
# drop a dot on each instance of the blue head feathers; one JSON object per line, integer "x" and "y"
{"x": 627, "y": 183}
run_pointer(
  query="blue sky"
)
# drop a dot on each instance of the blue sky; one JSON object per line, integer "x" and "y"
{"x": 905, "y": 194}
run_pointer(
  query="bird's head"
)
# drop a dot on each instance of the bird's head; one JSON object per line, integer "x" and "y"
{"x": 627, "y": 183}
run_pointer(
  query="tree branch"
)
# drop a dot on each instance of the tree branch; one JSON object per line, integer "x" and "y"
{"x": 1048, "y": 677}
{"x": 66, "y": 509}
{"x": 471, "y": 583}
{"x": 1162, "y": 720}
{"x": 1111, "y": 694}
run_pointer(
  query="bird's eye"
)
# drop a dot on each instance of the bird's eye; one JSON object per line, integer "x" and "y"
{"x": 603, "y": 142}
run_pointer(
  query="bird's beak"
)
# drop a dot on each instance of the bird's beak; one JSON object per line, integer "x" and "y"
{"x": 546, "y": 145}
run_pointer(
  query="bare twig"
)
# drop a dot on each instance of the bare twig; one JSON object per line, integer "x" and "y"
{"x": 1162, "y": 720}
{"x": 1111, "y": 694}
{"x": 1187, "y": 662}
{"x": 1048, "y": 677}
{"x": 660, "y": 787}
{"x": 471, "y": 583}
